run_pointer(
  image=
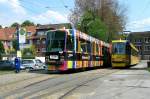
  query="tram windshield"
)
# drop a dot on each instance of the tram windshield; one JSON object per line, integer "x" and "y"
{"x": 119, "y": 48}
{"x": 55, "y": 41}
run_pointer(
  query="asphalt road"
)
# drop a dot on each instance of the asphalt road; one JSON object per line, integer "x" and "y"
{"x": 95, "y": 84}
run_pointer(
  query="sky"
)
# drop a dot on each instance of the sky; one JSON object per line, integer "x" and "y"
{"x": 38, "y": 11}
{"x": 57, "y": 11}
{"x": 138, "y": 15}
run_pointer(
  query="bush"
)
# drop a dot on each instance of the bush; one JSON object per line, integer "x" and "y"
{"x": 28, "y": 53}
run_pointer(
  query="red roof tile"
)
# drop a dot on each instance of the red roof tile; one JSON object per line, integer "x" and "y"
{"x": 31, "y": 29}
{"x": 8, "y": 33}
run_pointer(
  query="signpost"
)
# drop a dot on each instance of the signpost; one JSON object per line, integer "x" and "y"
{"x": 21, "y": 38}
{"x": 22, "y": 35}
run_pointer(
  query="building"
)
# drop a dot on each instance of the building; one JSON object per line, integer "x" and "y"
{"x": 36, "y": 35}
{"x": 142, "y": 41}
{"x": 31, "y": 31}
{"x": 7, "y": 35}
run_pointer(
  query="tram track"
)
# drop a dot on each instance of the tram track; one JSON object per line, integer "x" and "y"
{"x": 55, "y": 84}
{"x": 83, "y": 84}
{"x": 16, "y": 85}
{"x": 37, "y": 90}
{"x": 71, "y": 85}
{"x": 13, "y": 82}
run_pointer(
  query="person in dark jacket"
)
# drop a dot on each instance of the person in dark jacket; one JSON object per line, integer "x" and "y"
{"x": 17, "y": 65}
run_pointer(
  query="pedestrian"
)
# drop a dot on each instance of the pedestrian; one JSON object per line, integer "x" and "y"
{"x": 17, "y": 65}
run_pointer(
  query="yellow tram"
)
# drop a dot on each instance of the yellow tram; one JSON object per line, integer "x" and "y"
{"x": 124, "y": 54}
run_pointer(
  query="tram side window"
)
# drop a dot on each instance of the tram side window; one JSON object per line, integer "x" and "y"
{"x": 88, "y": 47}
{"x": 104, "y": 50}
{"x": 70, "y": 43}
{"x": 93, "y": 48}
{"x": 97, "y": 49}
{"x": 77, "y": 45}
{"x": 83, "y": 46}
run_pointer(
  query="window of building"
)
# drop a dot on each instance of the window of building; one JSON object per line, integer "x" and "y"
{"x": 43, "y": 41}
{"x": 43, "y": 49}
{"x": 38, "y": 50}
{"x": 138, "y": 40}
{"x": 135, "y": 40}
{"x": 45, "y": 33}
{"x": 147, "y": 57}
{"x": 28, "y": 33}
{"x": 8, "y": 43}
{"x": 147, "y": 48}
{"x": 147, "y": 39}
{"x": 139, "y": 47}
{"x": 27, "y": 42}
{"x": 40, "y": 33}
{"x": 38, "y": 42}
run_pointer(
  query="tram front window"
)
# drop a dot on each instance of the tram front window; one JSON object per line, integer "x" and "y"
{"x": 55, "y": 41}
{"x": 119, "y": 48}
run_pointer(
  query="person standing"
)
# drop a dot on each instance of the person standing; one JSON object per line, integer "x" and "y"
{"x": 17, "y": 65}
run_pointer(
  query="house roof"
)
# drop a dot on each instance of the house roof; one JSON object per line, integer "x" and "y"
{"x": 8, "y": 33}
{"x": 141, "y": 33}
{"x": 31, "y": 29}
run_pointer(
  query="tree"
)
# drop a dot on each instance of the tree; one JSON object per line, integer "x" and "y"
{"x": 29, "y": 52}
{"x": 15, "y": 24}
{"x": 110, "y": 12}
{"x": 15, "y": 44}
{"x": 33, "y": 49}
{"x": 27, "y": 23}
{"x": 93, "y": 26}
{"x": 2, "y": 50}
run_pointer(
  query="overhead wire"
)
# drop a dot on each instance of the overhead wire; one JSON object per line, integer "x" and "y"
{"x": 66, "y": 7}
{"x": 49, "y": 7}
{"x": 34, "y": 11}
